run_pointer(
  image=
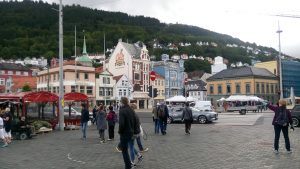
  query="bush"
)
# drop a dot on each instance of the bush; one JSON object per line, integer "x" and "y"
{"x": 38, "y": 124}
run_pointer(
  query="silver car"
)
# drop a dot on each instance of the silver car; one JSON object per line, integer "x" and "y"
{"x": 202, "y": 117}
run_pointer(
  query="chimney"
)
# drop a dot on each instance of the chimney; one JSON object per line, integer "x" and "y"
{"x": 120, "y": 40}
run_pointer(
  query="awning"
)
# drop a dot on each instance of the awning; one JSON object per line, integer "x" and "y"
{"x": 40, "y": 97}
{"x": 76, "y": 97}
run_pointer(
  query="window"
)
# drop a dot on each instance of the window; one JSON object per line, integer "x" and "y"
{"x": 211, "y": 89}
{"x": 110, "y": 91}
{"x": 73, "y": 89}
{"x": 268, "y": 88}
{"x": 18, "y": 73}
{"x": 82, "y": 89}
{"x": 86, "y": 76}
{"x": 257, "y": 88}
{"x": 262, "y": 88}
{"x": 124, "y": 92}
{"x": 137, "y": 76}
{"x": 2, "y": 72}
{"x": 10, "y": 72}
{"x": 219, "y": 89}
{"x": 2, "y": 81}
{"x": 54, "y": 77}
{"x": 228, "y": 88}
{"x": 77, "y": 75}
{"x": 89, "y": 90}
{"x": 101, "y": 91}
{"x": 120, "y": 92}
{"x": 237, "y": 88}
{"x": 248, "y": 88}
{"x": 106, "y": 80}
{"x": 272, "y": 88}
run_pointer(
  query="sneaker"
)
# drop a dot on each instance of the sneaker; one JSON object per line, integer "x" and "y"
{"x": 109, "y": 139}
{"x": 102, "y": 141}
{"x": 133, "y": 165}
{"x": 289, "y": 151}
{"x": 276, "y": 151}
{"x": 144, "y": 150}
{"x": 140, "y": 158}
{"x": 119, "y": 149}
{"x": 4, "y": 145}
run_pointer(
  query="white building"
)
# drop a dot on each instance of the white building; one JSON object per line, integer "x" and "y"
{"x": 104, "y": 87}
{"x": 122, "y": 88}
{"x": 218, "y": 65}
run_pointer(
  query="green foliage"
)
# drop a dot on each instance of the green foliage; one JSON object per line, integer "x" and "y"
{"x": 196, "y": 64}
{"x": 30, "y": 28}
{"x": 38, "y": 124}
{"x": 26, "y": 88}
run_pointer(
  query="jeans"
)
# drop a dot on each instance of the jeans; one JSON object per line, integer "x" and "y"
{"x": 83, "y": 129}
{"x": 156, "y": 126}
{"x": 101, "y": 133}
{"x": 111, "y": 132}
{"x": 163, "y": 125}
{"x": 124, "y": 142}
{"x": 139, "y": 143}
{"x": 188, "y": 124}
{"x": 132, "y": 150}
{"x": 285, "y": 131}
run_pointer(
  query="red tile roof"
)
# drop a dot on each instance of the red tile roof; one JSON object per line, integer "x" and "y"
{"x": 117, "y": 78}
{"x": 19, "y": 82}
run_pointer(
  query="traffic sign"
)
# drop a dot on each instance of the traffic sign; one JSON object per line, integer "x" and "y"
{"x": 152, "y": 75}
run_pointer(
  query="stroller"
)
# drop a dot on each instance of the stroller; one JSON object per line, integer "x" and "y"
{"x": 21, "y": 130}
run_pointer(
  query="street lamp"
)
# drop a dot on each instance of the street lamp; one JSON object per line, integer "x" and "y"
{"x": 279, "y": 63}
{"x": 61, "y": 83}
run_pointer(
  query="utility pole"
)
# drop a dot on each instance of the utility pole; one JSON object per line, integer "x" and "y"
{"x": 61, "y": 73}
{"x": 105, "y": 89}
{"x": 76, "y": 90}
{"x": 279, "y": 63}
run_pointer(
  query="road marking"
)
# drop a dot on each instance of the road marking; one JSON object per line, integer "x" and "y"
{"x": 77, "y": 161}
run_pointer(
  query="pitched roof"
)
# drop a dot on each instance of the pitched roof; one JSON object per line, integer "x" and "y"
{"x": 199, "y": 83}
{"x": 242, "y": 72}
{"x": 133, "y": 50}
{"x": 13, "y": 66}
{"x": 19, "y": 82}
{"x": 117, "y": 78}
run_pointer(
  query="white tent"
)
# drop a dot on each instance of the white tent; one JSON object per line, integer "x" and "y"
{"x": 222, "y": 99}
{"x": 243, "y": 98}
{"x": 177, "y": 99}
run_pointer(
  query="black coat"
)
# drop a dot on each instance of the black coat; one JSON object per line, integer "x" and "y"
{"x": 127, "y": 122}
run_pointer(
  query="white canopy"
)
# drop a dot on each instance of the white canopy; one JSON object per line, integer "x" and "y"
{"x": 222, "y": 99}
{"x": 176, "y": 99}
{"x": 243, "y": 98}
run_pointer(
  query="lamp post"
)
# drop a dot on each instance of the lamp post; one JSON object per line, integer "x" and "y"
{"x": 61, "y": 85}
{"x": 279, "y": 63}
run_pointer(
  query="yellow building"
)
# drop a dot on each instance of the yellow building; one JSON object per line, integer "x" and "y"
{"x": 243, "y": 81}
{"x": 159, "y": 83}
{"x": 270, "y": 66}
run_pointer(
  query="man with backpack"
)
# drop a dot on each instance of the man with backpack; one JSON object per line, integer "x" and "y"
{"x": 163, "y": 115}
{"x": 281, "y": 121}
{"x": 187, "y": 117}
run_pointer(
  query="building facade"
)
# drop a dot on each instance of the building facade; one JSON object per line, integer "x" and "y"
{"x": 196, "y": 89}
{"x": 218, "y": 65}
{"x": 122, "y": 88}
{"x": 174, "y": 76}
{"x": 8, "y": 71}
{"x": 104, "y": 87}
{"x": 133, "y": 61}
{"x": 243, "y": 81}
{"x": 159, "y": 84}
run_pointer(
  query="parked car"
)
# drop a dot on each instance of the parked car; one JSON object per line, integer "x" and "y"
{"x": 199, "y": 116}
{"x": 296, "y": 115}
{"x": 74, "y": 113}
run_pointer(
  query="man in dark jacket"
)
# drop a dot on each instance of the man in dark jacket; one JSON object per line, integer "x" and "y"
{"x": 187, "y": 117}
{"x": 84, "y": 120}
{"x": 127, "y": 123}
{"x": 163, "y": 114}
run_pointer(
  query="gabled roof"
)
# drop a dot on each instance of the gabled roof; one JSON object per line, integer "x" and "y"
{"x": 13, "y": 66}
{"x": 19, "y": 82}
{"x": 99, "y": 70}
{"x": 133, "y": 50}
{"x": 242, "y": 72}
{"x": 117, "y": 78}
{"x": 200, "y": 85}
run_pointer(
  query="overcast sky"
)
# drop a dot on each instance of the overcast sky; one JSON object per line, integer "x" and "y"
{"x": 248, "y": 20}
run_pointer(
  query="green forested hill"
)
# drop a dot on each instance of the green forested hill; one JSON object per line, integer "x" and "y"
{"x": 31, "y": 29}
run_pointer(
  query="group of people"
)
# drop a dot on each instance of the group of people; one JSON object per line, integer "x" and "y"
{"x": 5, "y": 126}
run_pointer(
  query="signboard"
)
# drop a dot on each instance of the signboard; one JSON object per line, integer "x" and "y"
{"x": 152, "y": 76}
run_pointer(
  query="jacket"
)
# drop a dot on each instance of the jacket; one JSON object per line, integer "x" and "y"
{"x": 276, "y": 110}
{"x": 84, "y": 116}
{"x": 101, "y": 120}
{"x": 154, "y": 113}
{"x": 111, "y": 118}
{"x": 126, "y": 122}
{"x": 187, "y": 114}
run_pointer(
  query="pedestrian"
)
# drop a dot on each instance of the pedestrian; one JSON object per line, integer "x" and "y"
{"x": 163, "y": 115}
{"x": 127, "y": 123}
{"x": 155, "y": 119}
{"x": 101, "y": 123}
{"x": 187, "y": 117}
{"x": 7, "y": 120}
{"x": 281, "y": 121}
{"x": 84, "y": 120}
{"x": 2, "y": 130}
{"x": 94, "y": 114}
{"x": 111, "y": 120}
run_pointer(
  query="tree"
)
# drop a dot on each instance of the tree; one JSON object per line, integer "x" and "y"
{"x": 26, "y": 88}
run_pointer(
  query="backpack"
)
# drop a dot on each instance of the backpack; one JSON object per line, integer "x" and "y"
{"x": 161, "y": 112}
{"x": 282, "y": 118}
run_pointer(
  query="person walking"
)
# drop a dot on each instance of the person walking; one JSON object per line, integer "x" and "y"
{"x": 101, "y": 123}
{"x": 281, "y": 121}
{"x": 187, "y": 117}
{"x": 127, "y": 123}
{"x": 163, "y": 115}
{"x": 84, "y": 120}
{"x": 155, "y": 119}
{"x": 111, "y": 119}
{"x": 7, "y": 120}
{"x": 94, "y": 114}
{"x": 2, "y": 131}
